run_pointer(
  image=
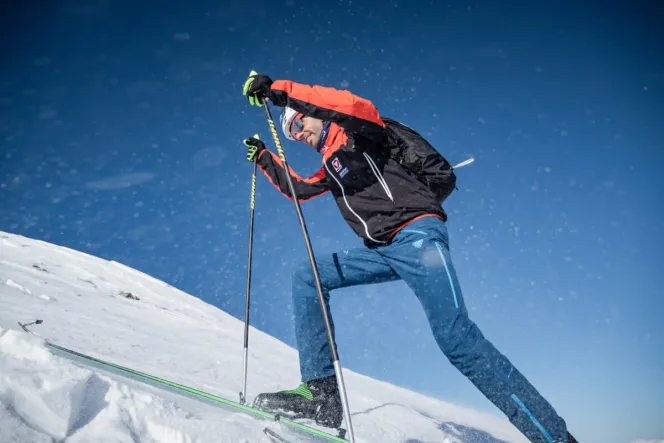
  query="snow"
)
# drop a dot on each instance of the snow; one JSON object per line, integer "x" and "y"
{"x": 113, "y": 312}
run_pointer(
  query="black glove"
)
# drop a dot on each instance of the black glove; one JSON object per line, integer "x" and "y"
{"x": 257, "y": 87}
{"x": 255, "y": 146}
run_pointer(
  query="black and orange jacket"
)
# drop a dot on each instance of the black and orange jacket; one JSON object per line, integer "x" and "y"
{"x": 375, "y": 194}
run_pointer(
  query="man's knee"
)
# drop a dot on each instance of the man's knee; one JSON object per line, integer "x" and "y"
{"x": 302, "y": 275}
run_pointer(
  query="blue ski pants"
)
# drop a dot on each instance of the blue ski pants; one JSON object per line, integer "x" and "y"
{"x": 419, "y": 255}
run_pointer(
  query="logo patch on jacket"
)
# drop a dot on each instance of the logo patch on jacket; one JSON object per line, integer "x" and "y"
{"x": 343, "y": 172}
{"x": 336, "y": 164}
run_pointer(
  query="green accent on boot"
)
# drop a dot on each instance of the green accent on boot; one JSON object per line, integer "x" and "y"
{"x": 302, "y": 390}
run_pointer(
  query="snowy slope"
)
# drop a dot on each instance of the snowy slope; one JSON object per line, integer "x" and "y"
{"x": 113, "y": 312}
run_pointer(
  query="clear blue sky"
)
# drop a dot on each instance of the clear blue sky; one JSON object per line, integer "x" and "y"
{"x": 120, "y": 134}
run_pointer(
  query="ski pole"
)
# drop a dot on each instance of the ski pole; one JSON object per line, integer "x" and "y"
{"x": 252, "y": 203}
{"x": 314, "y": 268}
{"x": 24, "y": 326}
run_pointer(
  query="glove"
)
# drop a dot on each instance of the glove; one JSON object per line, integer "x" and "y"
{"x": 257, "y": 87}
{"x": 255, "y": 146}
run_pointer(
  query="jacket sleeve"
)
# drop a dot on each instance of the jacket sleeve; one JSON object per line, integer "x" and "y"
{"x": 305, "y": 188}
{"x": 354, "y": 114}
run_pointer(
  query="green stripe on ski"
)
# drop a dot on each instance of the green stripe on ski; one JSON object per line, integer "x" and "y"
{"x": 166, "y": 382}
{"x": 199, "y": 393}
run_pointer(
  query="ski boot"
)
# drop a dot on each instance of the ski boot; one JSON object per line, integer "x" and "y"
{"x": 315, "y": 400}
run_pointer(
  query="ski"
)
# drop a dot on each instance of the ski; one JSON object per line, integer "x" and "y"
{"x": 176, "y": 388}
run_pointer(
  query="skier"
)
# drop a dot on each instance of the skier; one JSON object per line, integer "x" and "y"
{"x": 405, "y": 237}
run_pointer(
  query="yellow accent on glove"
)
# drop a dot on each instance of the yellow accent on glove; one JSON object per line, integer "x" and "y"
{"x": 254, "y": 99}
{"x": 254, "y": 146}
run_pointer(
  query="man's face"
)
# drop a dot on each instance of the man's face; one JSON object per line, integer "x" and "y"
{"x": 311, "y": 130}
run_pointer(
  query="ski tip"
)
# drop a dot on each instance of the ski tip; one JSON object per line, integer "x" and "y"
{"x": 464, "y": 163}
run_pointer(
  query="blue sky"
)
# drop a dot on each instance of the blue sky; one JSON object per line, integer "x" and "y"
{"x": 121, "y": 129}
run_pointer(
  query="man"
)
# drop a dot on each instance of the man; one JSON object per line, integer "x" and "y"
{"x": 403, "y": 227}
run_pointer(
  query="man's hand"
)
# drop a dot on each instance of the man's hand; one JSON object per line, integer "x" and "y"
{"x": 257, "y": 88}
{"x": 255, "y": 146}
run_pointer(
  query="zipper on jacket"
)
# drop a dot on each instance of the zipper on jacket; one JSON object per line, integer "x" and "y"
{"x": 343, "y": 193}
{"x": 379, "y": 176}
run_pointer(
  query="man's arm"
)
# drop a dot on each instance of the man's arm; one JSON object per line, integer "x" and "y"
{"x": 354, "y": 114}
{"x": 305, "y": 188}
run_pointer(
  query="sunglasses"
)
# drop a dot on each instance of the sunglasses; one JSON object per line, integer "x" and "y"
{"x": 297, "y": 125}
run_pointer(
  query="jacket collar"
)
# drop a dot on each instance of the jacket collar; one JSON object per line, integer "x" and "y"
{"x": 323, "y": 135}
{"x": 336, "y": 137}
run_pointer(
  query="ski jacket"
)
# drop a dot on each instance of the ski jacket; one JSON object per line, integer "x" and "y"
{"x": 375, "y": 194}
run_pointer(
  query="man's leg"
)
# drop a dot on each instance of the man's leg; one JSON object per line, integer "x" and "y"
{"x": 347, "y": 268}
{"x": 420, "y": 255}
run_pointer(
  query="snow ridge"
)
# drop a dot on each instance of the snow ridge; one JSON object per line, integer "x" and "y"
{"x": 110, "y": 311}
